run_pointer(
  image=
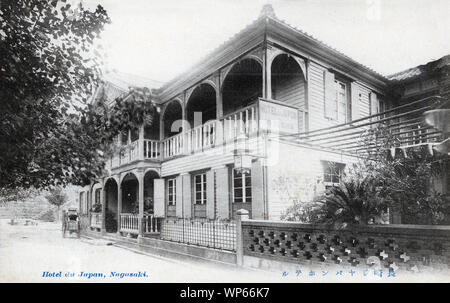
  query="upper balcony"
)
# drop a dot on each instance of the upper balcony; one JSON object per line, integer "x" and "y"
{"x": 252, "y": 120}
{"x": 216, "y": 110}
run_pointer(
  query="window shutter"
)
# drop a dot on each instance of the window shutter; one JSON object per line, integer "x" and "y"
{"x": 185, "y": 190}
{"x": 210, "y": 209}
{"x": 179, "y": 197}
{"x": 354, "y": 91}
{"x": 373, "y": 104}
{"x": 159, "y": 203}
{"x": 330, "y": 95}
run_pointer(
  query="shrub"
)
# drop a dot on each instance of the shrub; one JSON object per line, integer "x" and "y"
{"x": 47, "y": 216}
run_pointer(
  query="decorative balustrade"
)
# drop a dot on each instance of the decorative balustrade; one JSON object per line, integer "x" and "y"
{"x": 129, "y": 223}
{"x": 210, "y": 134}
{"x": 152, "y": 149}
{"x": 124, "y": 155}
{"x": 201, "y": 137}
{"x": 134, "y": 151}
{"x": 413, "y": 248}
{"x": 151, "y": 224}
{"x": 115, "y": 160}
{"x": 173, "y": 146}
{"x": 243, "y": 121}
{"x": 96, "y": 220}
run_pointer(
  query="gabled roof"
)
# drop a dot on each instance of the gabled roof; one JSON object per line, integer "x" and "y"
{"x": 413, "y": 73}
{"x": 259, "y": 28}
{"x": 125, "y": 80}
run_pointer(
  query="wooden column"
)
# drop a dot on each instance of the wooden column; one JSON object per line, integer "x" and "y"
{"x": 103, "y": 201}
{"x": 141, "y": 143}
{"x": 219, "y": 101}
{"x": 161, "y": 125}
{"x": 141, "y": 202}
{"x": 119, "y": 204}
{"x": 267, "y": 75}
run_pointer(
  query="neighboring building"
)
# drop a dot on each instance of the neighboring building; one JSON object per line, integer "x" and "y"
{"x": 270, "y": 76}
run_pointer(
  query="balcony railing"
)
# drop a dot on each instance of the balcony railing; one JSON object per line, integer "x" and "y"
{"x": 129, "y": 223}
{"x": 151, "y": 224}
{"x": 173, "y": 146}
{"x": 399, "y": 127}
{"x": 211, "y": 134}
{"x": 152, "y": 149}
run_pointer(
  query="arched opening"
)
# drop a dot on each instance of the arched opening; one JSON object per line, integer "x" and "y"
{"x": 201, "y": 106}
{"x": 288, "y": 82}
{"x": 111, "y": 192}
{"x": 173, "y": 112}
{"x": 130, "y": 194}
{"x": 149, "y": 191}
{"x": 242, "y": 86}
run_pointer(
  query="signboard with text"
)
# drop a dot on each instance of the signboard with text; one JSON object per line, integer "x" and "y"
{"x": 278, "y": 117}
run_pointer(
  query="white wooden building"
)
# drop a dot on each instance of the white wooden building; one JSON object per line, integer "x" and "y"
{"x": 296, "y": 104}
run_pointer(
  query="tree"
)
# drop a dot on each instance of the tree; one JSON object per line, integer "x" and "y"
{"x": 57, "y": 197}
{"x": 48, "y": 67}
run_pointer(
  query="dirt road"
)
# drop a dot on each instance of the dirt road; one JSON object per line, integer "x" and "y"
{"x": 40, "y": 254}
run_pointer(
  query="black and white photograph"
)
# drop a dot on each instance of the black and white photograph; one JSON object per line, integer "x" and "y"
{"x": 224, "y": 141}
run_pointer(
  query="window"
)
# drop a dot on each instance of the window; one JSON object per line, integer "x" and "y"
{"x": 341, "y": 101}
{"x": 97, "y": 196}
{"x": 172, "y": 190}
{"x": 200, "y": 188}
{"x": 242, "y": 187}
{"x": 332, "y": 172}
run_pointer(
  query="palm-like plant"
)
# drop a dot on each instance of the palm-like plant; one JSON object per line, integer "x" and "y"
{"x": 359, "y": 199}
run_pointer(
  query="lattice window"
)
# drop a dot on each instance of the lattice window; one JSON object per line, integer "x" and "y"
{"x": 341, "y": 101}
{"x": 242, "y": 187}
{"x": 332, "y": 172}
{"x": 172, "y": 191}
{"x": 200, "y": 188}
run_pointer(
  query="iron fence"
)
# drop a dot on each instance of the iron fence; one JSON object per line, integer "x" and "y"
{"x": 218, "y": 234}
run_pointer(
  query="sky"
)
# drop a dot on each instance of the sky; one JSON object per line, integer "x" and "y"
{"x": 159, "y": 39}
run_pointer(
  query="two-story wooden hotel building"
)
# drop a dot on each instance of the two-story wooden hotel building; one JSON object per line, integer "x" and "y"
{"x": 295, "y": 105}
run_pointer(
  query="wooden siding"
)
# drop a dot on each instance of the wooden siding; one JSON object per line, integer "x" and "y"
{"x": 213, "y": 157}
{"x": 316, "y": 99}
{"x": 293, "y": 173}
{"x": 290, "y": 91}
{"x": 364, "y": 103}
